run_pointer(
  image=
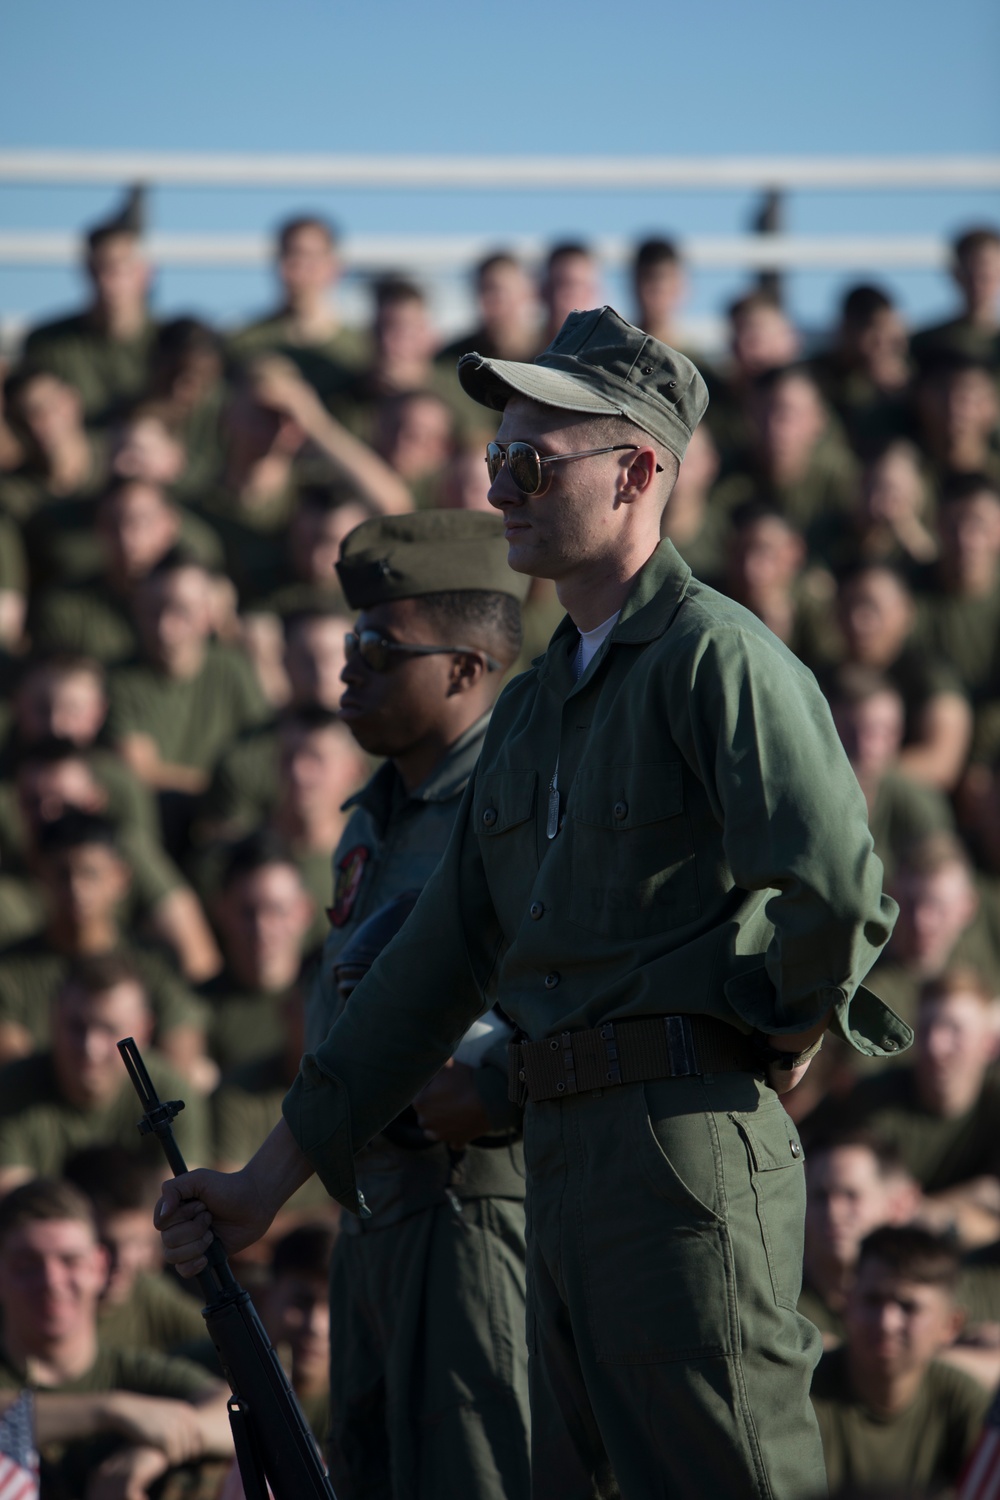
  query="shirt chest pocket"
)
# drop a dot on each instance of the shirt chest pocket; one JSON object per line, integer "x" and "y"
{"x": 504, "y": 819}
{"x": 631, "y": 851}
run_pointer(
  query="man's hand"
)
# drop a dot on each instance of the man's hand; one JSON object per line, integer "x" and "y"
{"x": 162, "y": 1422}
{"x": 128, "y": 1474}
{"x": 201, "y": 1203}
{"x": 449, "y": 1107}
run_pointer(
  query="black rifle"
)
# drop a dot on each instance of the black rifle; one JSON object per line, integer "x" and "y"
{"x": 270, "y": 1434}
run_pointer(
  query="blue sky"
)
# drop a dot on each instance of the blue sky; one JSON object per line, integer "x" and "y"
{"x": 719, "y": 77}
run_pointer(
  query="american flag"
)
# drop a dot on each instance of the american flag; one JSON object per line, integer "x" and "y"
{"x": 981, "y": 1478}
{"x": 18, "y": 1459}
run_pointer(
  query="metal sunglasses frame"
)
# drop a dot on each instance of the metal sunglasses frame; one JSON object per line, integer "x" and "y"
{"x": 356, "y": 640}
{"x": 497, "y": 456}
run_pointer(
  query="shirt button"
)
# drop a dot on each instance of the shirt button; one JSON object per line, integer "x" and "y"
{"x": 535, "y": 910}
{"x": 796, "y": 1148}
{"x": 489, "y": 817}
{"x": 551, "y": 980}
{"x": 890, "y": 1044}
{"x": 621, "y": 810}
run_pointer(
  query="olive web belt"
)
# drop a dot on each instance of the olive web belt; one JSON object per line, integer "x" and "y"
{"x": 577, "y": 1062}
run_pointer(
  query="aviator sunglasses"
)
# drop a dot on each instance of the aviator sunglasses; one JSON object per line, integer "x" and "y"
{"x": 377, "y": 652}
{"x": 524, "y": 463}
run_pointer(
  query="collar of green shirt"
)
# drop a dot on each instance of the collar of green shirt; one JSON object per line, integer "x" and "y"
{"x": 447, "y": 780}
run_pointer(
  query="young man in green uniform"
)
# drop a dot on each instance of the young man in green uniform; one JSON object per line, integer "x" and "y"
{"x": 662, "y": 862}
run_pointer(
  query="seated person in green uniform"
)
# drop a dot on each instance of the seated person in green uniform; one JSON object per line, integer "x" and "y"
{"x": 855, "y": 1182}
{"x": 187, "y": 379}
{"x": 324, "y": 514}
{"x": 295, "y": 1308}
{"x": 893, "y": 1418}
{"x": 247, "y": 1103}
{"x": 761, "y": 338}
{"x": 695, "y": 525}
{"x": 795, "y": 458}
{"x": 279, "y": 434}
{"x": 942, "y": 1111}
{"x": 85, "y": 877}
{"x": 175, "y": 713}
{"x": 941, "y": 923}
{"x": 54, "y": 777}
{"x": 414, "y": 432}
{"x": 262, "y": 914}
{"x": 570, "y": 279}
{"x": 244, "y": 783}
{"x": 976, "y": 272}
{"x": 958, "y": 410}
{"x": 958, "y": 608}
{"x": 869, "y": 715}
{"x": 105, "y": 350}
{"x": 865, "y": 374}
{"x": 876, "y": 617}
{"x": 764, "y": 570}
{"x": 659, "y": 286}
{"x": 139, "y": 1307}
{"x": 892, "y": 520}
{"x": 76, "y": 1093}
{"x": 316, "y": 766}
{"x": 137, "y": 524}
{"x": 52, "y": 494}
{"x": 507, "y": 308}
{"x": 305, "y": 326}
{"x": 109, "y": 1421}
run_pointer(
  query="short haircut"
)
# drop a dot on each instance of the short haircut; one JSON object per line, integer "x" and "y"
{"x": 99, "y": 973}
{"x": 914, "y": 1255}
{"x": 103, "y": 234}
{"x": 182, "y": 337}
{"x": 495, "y": 261}
{"x": 122, "y": 486}
{"x": 864, "y": 568}
{"x": 477, "y": 617}
{"x": 931, "y": 855}
{"x": 255, "y": 852}
{"x": 749, "y": 512}
{"x": 862, "y": 303}
{"x": 887, "y": 1156}
{"x": 768, "y": 381}
{"x": 297, "y": 619}
{"x": 332, "y": 496}
{"x": 115, "y": 1180}
{"x": 154, "y": 411}
{"x": 393, "y": 291}
{"x": 305, "y": 1251}
{"x": 959, "y": 979}
{"x": 943, "y": 365}
{"x": 291, "y": 227}
{"x": 564, "y": 249}
{"x": 852, "y": 683}
{"x": 178, "y": 560}
{"x": 977, "y": 238}
{"x": 310, "y": 717}
{"x": 958, "y": 487}
{"x": 759, "y": 300}
{"x": 77, "y": 829}
{"x": 655, "y": 252}
{"x": 63, "y": 664}
{"x": 44, "y": 1200}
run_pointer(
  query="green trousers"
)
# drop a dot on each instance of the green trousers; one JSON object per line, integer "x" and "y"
{"x": 666, "y": 1358}
{"x": 428, "y": 1380}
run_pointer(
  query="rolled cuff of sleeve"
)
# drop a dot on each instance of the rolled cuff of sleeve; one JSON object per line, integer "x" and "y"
{"x": 861, "y": 1019}
{"x": 317, "y": 1112}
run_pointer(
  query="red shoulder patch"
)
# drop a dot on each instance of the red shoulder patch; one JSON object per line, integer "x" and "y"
{"x": 347, "y": 884}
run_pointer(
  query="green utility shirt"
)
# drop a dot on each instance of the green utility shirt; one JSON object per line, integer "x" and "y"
{"x": 244, "y": 1108}
{"x": 66, "y": 1468}
{"x": 32, "y": 972}
{"x": 963, "y": 632}
{"x": 713, "y": 857}
{"x": 193, "y": 720}
{"x": 905, "y": 812}
{"x": 40, "y": 1129}
{"x": 244, "y": 1024}
{"x": 938, "y": 1153}
{"x": 157, "y": 1315}
{"x": 109, "y": 373}
{"x": 392, "y": 843}
{"x": 918, "y": 1451}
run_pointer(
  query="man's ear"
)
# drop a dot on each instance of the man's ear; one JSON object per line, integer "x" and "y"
{"x": 467, "y": 671}
{"x": 638, "y": 475}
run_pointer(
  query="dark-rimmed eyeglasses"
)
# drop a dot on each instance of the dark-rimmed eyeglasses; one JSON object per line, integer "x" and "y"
{"x": 377, "y": 652}
{"x": 525, "y": 463}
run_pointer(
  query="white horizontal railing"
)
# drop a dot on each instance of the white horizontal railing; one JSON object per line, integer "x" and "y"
{"x": 514, "y": 173}
{"x": 448, "y": 254}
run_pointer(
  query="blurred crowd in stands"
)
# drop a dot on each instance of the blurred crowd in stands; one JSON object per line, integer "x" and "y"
{"x": 173, "y": 774}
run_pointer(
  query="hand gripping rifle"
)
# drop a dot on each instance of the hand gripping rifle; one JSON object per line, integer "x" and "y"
{"x": 272, "y": 1439}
